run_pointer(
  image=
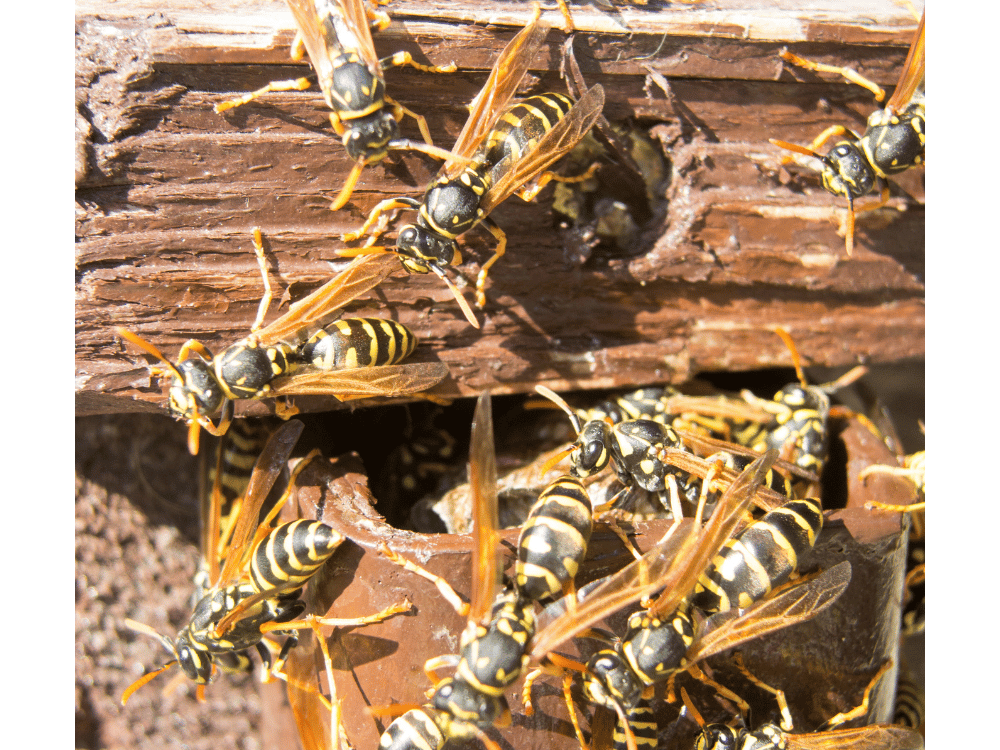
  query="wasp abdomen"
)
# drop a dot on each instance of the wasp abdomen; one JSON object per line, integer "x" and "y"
{"x": 518, "y": 129}
{"x": 359, "y": 342}
{"x": 414, "y": 729}
{"x": 642, "y": 722}
{"x": 763, "y": 556}
{"x": 292, "y": 553}
{"x": 554, "y": 539}
{"x": 495, "y": 657}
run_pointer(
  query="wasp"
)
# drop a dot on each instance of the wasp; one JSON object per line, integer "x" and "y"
{"x": 800, "y": 415}
{"x": 644, "y": 453}
{"x": 255, "y": 578}
{"x": 350, "y": 359}
{"x": 501, "y": 148}
{"x": 337, "y": 35}
{"x": 661, "y": 639}
{"x": 893, "y": 140}
{"x": 495, "y": 640}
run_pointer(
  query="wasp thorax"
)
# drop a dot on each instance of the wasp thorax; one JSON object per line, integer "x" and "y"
{"x": 198, "y": 393}
{"x": 419, "y": 249}
{"x": 453, "y": 206}
{"x": 355, "y": 88}
{"x": 367, "y": 138}
{"x": 847, "y": 172}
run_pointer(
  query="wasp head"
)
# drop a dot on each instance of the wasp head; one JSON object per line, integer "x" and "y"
{"x": 195, "y": 390}
{"x": 419, "y": 248}
{"x": 367, "y": 139}
{"x": 846, "y": 172}
{"x": 610, "y": 681}
{"x": 590, "y": 452}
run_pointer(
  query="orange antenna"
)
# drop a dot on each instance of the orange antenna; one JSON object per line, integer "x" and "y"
{"x": 796, "y": 359}
{"x": 148, "y": 348}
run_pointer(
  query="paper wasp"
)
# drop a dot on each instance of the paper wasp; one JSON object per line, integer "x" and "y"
{"x": 661, "y": 639}
{"x": 337, "y": 35}
{"x": 349, "y": 359}
{"x": 893, "y": 140}
{"x": 500, "y": 149}
{"x": 256, "y": 572}
{"x": 494, "y": 641}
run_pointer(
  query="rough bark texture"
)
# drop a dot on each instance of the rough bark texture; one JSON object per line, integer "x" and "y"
{"x": 168, "y": 192}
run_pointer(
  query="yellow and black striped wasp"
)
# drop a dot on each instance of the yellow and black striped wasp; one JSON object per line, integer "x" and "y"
{"x": 662, "y": 640}
{"x": 501, "y": 148}
{"x": 337, "y": 35}
{"x": 893, "y": 140}
{"x": 255, "y": 574}
{"x": 352, "y": 358}
{"x": 494, "y": 642}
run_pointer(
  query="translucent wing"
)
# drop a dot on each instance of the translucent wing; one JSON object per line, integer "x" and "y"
{"x": 318, "y": 45}
{"x": 356, "y": 17}
{"x": 493, "y": 98}
{"x": 483, "y": 484}
{"x": 797, "y": 604}
{"x": 875, "y": 737}
{"x": 674, "y": 564}
{"x": 362, "y": 382}
{"x": 913, "y": 73}
{"x": 550, "y": 147}
{"x": 272, "y": 461}
{"x": 310, "y": 313}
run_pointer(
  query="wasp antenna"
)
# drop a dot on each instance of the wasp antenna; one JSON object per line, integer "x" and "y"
{"x": 353, "y": 252}
{"x": 148, "y": 348}
{"x": 794, "y": 147}
{"x": 348, "y": 188}
{"x": 556, "y": 399}
{"x": 466, "y": 310}
{"x": 796, "y": 359}
{"x": 145, "y": 679}
{"x": 692, "y": 711}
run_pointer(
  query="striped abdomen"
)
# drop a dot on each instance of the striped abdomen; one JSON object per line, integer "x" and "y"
{"x": 359, "y": 342}
{"x": 643, "y": 725}
{"x": 554, "y": 539}
{"x": 493, "y": 659}
{"x": 517, "y": 131}
{"x": 414, "y": 730}
{"x": 802, "y": 423}
{"x": 291, "y": 553}
{"x": 763, "y": 556}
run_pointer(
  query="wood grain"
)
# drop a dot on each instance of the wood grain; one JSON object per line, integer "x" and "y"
{"x": 168, "y": 191}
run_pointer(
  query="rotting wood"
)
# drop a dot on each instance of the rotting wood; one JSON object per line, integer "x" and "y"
{"x": 167, "y": 192}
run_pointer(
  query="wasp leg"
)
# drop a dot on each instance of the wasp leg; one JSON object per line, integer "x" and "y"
{"x": 742, "y": 706}
{"x": 779, "y": 695}
{"x": 285, "y": 408}
{"x": 875, "y": 504}
{"x": 501, "y": 248}
{"x": 851, "y": 75}
{"x": 862, "y": 708}
{"x": 450, "y": 595}
{"x": 528, "y": 193}
{"x": 193, "y": 345}
{"x": 405, "y": 58}
{"x": 567, "y": 683}
{"x": 265, "y": 300}
{"x": 388, "y": 204}
{"x": 297, "y": 84}
{"x": 439, "y": 662}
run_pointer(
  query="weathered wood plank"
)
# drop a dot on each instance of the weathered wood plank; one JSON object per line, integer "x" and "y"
{"x": 168, "y": 191}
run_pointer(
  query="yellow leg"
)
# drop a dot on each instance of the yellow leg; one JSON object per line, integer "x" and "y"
{"x": 265, "y": 300}
{"x": 741, "y": 705}
{"x": 779, "y": 695}
{"x": 528, "y": 193}
{"x": 298, "y": 84}
{"x": 851, "y": 75}
{"x": 567, "y": 683}
{"x": 196, "y": 346}
{"x": 405, "y": 58}
{"x": 501, "y": 247}
{"x": 862, "y": 708}
{"x": 442, "y": 585}
{"x": 388, "y": 204}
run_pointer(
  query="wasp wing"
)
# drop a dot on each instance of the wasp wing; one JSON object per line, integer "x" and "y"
{"x": 362, "y": 382}
{"x": 269, "y": 466}
{"x": 875, "y": 737}
{"x": 310, "y": 313}
{"x": 483, "y": 484}
{"x": 493, "y": 98}
{"x": 674, "y": 563}
{"x": 359, "y": 25}
{"x": 316, "y": 40}
{"x": 556, "y": 143}
{"x": 797, "y": 604}
{"x": 913, "y": 73}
